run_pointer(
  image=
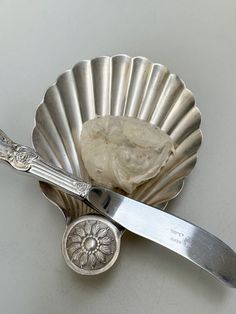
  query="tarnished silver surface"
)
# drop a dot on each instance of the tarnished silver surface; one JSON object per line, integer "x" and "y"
{"x": 26, "y": 160}
{"x": 88, "y": 242}
{"x": 106, "y": 235}
{"x": 120, "y": 86}
{"x": 18, "y": 156}
{"x": 91, "y": 245}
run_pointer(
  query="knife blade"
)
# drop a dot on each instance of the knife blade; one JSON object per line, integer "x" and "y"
{"x": 186, "y": 239}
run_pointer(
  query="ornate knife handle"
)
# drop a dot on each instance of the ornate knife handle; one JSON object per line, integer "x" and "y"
{"x": 99, "y": 239}
{"x": 25, "y": 159}
{"x": 18, "y": 156}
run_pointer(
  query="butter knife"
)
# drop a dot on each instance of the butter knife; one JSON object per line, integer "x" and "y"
{"x": 186, "y": 239}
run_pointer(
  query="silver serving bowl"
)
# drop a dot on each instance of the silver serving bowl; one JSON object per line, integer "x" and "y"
{"x": 119, "y": 86}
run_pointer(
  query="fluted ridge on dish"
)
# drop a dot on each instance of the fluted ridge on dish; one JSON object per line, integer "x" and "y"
{"x": 118, "y": 85}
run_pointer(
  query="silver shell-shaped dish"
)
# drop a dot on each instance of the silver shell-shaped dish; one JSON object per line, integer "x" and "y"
{"x": 119, "y": 86}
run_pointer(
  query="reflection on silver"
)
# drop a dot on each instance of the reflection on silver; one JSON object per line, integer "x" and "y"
{"x": 121, "y": 86}
{"x": 178, "y": 235}
{"x": 91, "y": 245}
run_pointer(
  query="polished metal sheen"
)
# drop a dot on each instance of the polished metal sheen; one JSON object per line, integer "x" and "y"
{"x": 119, "y": 85}
{"x": 178, "y": 235}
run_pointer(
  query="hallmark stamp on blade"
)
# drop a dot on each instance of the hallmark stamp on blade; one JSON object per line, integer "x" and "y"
{"x": 179, "y": 238}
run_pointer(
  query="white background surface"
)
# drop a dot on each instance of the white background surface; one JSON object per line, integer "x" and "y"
{"x": 41, "y": 39}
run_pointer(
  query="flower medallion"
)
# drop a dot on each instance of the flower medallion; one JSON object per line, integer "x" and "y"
{"x": 91, "y": 245}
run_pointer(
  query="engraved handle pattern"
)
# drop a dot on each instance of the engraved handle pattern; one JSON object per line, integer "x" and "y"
{"x": 27, "y": 160}
{"x": 90, "y": 244}
{"x": 18, "y": 156}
